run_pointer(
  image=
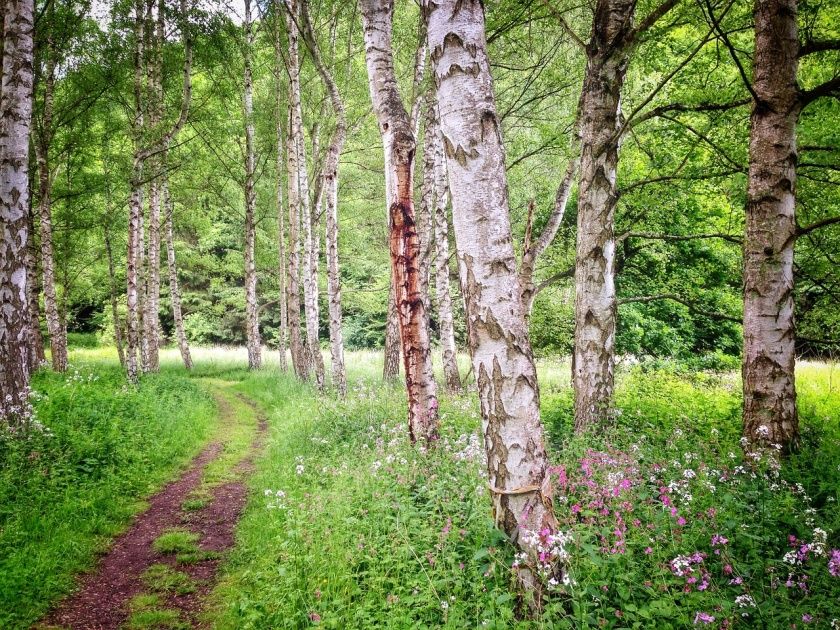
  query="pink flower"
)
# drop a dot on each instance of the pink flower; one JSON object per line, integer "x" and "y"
{"x": 704, "y": 618}
{"x": 681, "y": 521}
{"x": 834, "y": 563}
{"x": 576, "y": 508}
{"x": 807, "y": 618}
{"x": 648, "y": 551}
{"x": 314, "y": 617}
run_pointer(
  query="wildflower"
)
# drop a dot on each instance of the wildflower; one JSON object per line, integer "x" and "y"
{"x": 314, "y": 617}
{"x": 704, "y": 618}
{"x": 807, "y": 618}
{"x": 745, "y": 601}
{"x": 444, "y": 605}
{"x": 718, "y": 540}
{"x": 299, "y": 469}
{"x": 834, "y": 563}
{"x": 648, "y": 550}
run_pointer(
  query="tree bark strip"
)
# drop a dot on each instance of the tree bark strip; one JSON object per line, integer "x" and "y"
{"x": 33, "y": 297}
{"x": 400, "y": 145}
{"x": 503, "y": 362}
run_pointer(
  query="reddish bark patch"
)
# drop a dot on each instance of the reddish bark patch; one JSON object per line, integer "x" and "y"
{"x": 101, "y": 601}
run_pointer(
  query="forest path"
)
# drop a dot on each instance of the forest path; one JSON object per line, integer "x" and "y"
{"x": 158, "y": 572}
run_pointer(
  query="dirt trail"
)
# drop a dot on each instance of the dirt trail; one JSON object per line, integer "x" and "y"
{"x": 101, "y": 601}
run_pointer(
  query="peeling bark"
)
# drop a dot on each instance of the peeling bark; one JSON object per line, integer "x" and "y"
{"x": 252, "y": 323}
{"x": 330, "y": 187}
{"x": 174, "y": 290}
{"x": 517, "y": 463}
{"x": 595, "y": 299}
{"x": 398, "y": 138}
{"x": 449, "y": 351}
{"x": 15, "y": 116}
{"x": 769, "y": 332}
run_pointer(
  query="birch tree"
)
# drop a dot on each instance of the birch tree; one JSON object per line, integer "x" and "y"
{"x": 283, "y": 333}
{"x": 174, "y": 289}
{"x": 15, "y": 116}
{"x": 252, "y": 324}
{"x": 452, "y": 377}
{"x": 330, "y": 186}
{"x": 42, "y": 144}
{"x": 503, "y": 362}
{"x": 398, "y": 138}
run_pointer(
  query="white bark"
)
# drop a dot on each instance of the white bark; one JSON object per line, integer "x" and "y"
{"x": 441, "y": 242}
{"x": 252, "y": 323}
{"x": 517, "y": 464}
{"x": 174, "y": 290}
{"x": 330, "y": 188}
{"x": 15, "y": 116}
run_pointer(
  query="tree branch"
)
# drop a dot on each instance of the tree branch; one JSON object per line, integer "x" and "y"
{"x": 676, "y": 298}
{"x": 807, "y": 229}
{"x": 572, "y": 35}
{"x": 680, "y": 237}
{"x": 814, "y": 46}
{"x": 829, "y": 88}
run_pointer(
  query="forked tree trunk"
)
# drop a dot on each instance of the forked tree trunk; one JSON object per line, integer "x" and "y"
{"x": 174, "y": 290}
{"x": 595, "y": 299}
{"x": 398, "y": 139}
{"x": 15, "y": 116}
{"x": 441, "y": 239}
{"x": 330, "y": 187}
{"x": 43, "y": 141}
{"x": 769, "y": 334}
{"x": 252, "y": 323}
{"x": 112, "y": 286}
{"x": 517, "y": 464}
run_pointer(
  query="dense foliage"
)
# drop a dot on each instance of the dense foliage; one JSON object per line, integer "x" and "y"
{"x": 681, "y": 173}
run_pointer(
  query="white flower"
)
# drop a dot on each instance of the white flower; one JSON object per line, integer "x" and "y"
{"x": 299, "y": 469}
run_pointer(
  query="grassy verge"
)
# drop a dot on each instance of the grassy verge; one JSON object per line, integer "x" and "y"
{"x": 348, "y": 526}
{"x": 65, "y": 492}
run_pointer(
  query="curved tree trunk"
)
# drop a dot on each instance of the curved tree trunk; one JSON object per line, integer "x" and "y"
{"x": 398, "y": 138}
{"x": 595, "y": 299}
{"x": 15, "y": 116}
{"x": 517, "y": 464}
{"x": 441, "y": 239}
{"x": 330, "y": 187}
{"x": 174, "y": 290}
{"x": 252, "y": 324}
{"x": 769, "y": 333}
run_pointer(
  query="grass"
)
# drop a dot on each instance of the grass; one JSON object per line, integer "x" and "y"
{"x": 161, "y": 578}
{"x": 348, "y": 526}
{"x": 65, "y": 494}
{"x": 176, "y": 541}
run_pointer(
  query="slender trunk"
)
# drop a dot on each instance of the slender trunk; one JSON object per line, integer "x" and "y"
{"x": 135, "y": 208}
{"x": 398, "y": 138}
{"x": 391, "y": 365}
{"x": 517, "y": 464}
{"x": 33, "y": 293}
{"x": 174, "y": 290}
{"x": 15, "y": 115}
{"x": 251, "y": 316}
{"x": 769, "y": 335}
{"x": 441, "y": 239}
{"x": 330, "y": 188}
{"x": 283, "y": 333}
{"x": 595, "y": 300}
{"x": 142, "y": 282}
{"x": 310, "y": 263}
{"x": 58, "y": 338}
{"x": 533, "y": 250}
{"x": 425, "y": 212}
{"x": 112, "y": 286}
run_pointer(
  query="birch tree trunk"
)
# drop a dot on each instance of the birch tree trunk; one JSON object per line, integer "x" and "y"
{"x": 310, "y": 277}
{"x": 503, "y": 362}
{"x": 174, "y": 290}
{"x": 33, "y": 293}
{"x": 330, "y": 188}
{"x": 43, "y": 141}
{"x": 425, "y": 212}
{"x": 135, "y": 206}
{"x": 252, "y": 323}
{"x": 15, "y": 116}
{"x": 769, "y": 334}
{"x": 595, "y": 299}
{"x": 391, "y": 365}
{"x": 441, "y": 239}
{"x": 112, "y": 286}
{"x": 283, "y": 333}
{"x": 398, "y": 138}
